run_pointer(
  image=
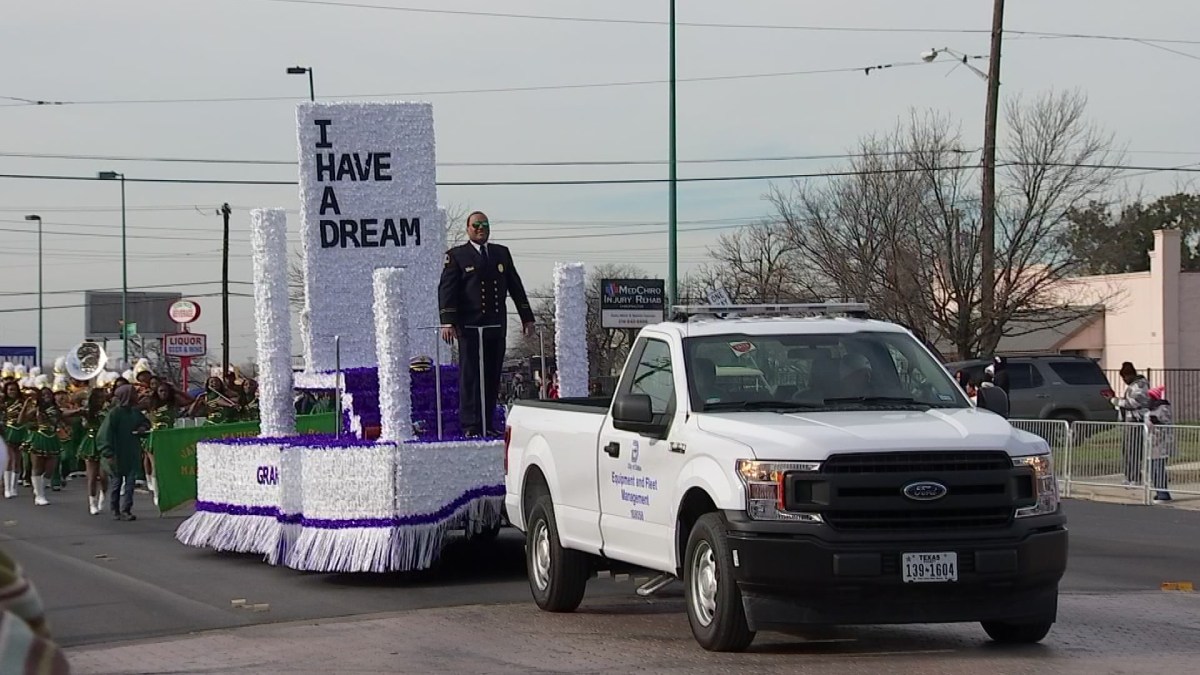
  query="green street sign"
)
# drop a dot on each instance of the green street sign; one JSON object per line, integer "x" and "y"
{"x": 130, "y": 330}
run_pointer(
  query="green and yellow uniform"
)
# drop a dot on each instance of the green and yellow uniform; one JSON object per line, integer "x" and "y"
{"x": 89, "y": 424}
{"x": 217, "y": 413}
{"x": 15, "y": 433}
{"x": 44, "y": 440}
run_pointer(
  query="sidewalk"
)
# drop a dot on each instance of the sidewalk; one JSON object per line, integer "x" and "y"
{"x": 1118, "y": 494}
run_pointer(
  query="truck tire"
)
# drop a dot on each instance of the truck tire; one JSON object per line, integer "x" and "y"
{"x": 714, "y": 603}
{"x": 557, "y": 576}
{"x": 1017, "y": 633}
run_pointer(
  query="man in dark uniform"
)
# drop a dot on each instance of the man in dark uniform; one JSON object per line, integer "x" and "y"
{"x": 477, "y": 280}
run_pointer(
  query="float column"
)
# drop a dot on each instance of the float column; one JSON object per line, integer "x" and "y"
{"x": 268, "y": 245}
{"x": 391, "y": 345}
{"x": 570, "y": 329}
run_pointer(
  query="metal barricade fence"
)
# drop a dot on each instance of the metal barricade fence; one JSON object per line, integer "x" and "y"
{"x": 1058, "y": 434}
{"x": 1175, "y": 459}
{"x": 1107, "y": 454}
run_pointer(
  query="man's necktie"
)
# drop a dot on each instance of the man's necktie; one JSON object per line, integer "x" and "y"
{"x": 483, "y": 253}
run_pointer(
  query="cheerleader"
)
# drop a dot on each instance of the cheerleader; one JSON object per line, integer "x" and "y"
{"x": 97, "y": 480}
{"x": 44, "y": 443}
{"x": 15, "y": 404}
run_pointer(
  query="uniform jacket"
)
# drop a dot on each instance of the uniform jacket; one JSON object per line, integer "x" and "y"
{"x": 474, "y": 294}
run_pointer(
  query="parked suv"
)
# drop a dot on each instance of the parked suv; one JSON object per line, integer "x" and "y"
{"x": 1052, "y": 387}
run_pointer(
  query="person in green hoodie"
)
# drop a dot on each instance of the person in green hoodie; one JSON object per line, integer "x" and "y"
{"x": 120, "y": 448}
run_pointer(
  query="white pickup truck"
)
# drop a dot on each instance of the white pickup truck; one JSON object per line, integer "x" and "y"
{"x": 847, "y": 480}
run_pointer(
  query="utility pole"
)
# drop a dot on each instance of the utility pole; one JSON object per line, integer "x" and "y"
{"x": 673, "y": 245}
{"x": 225, "y": 211}
{"x": 987, "y": 225}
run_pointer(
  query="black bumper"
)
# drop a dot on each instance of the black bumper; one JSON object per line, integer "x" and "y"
{"x": 792, "y": 574}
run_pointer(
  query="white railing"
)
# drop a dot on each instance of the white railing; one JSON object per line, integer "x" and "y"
{"x": 1141, "y": 459}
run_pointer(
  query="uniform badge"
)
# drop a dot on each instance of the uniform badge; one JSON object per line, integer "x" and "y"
{"x": 500, "y": 267}
{"x": 470, "y": 269}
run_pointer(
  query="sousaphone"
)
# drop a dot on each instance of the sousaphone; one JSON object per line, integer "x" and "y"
{"x": 86, "y": 360}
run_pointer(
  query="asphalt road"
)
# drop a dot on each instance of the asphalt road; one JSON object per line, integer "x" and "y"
{"x": 104, "y": 580}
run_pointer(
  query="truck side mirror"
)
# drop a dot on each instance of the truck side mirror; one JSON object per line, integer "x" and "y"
{"x": 632, "y": 412}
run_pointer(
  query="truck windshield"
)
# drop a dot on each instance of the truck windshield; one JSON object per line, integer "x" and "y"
{"x": 846, "y": 371}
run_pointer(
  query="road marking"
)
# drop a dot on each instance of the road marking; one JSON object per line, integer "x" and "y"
{"x": 1182, "y": 586}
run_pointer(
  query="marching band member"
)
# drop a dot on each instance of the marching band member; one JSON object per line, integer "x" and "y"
{"x": 14, "y": 435}
{"x": 44, "y": 443}
{"x": 162, "y": 408}
{"x": 219, "y": 408}
{"x": 97, "y": 480}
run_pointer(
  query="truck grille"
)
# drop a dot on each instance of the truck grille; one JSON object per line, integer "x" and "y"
{"x": 865, "y": 492}
{"x": 919, "y": 519}
{"x": 916, "y": 462}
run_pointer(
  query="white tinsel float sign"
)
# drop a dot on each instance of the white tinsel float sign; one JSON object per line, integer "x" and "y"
{"x": 369, "y": 200}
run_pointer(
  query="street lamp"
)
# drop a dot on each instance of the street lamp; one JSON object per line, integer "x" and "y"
{"x": 300, "y": 70}
{"x": 932, "y": 54}
{"x": 41, "y": 355}
{"x": 113, "y": 175}
{"x": 987, "y": 193}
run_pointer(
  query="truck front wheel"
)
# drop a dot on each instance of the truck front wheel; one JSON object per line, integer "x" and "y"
{"x": 714, "y": 603}
{"x": 557, "y": 576}
{"x": 1017, "y": 633}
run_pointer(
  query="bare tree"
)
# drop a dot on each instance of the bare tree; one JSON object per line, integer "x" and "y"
{"x": 607, "y": 347}
{"x": 900, "y": 230}
{"x": 757, "y": 263}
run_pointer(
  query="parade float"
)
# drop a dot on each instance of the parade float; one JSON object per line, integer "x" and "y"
{"x": 382, "y": 493}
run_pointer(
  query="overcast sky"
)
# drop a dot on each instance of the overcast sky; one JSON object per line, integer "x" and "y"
{"x": 95, "y": 53}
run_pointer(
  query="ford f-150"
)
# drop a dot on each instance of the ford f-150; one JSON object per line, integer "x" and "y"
{"x": 846, "y": 480}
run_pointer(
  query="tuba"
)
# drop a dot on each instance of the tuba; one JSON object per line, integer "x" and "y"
{"x": 85, "y": 361}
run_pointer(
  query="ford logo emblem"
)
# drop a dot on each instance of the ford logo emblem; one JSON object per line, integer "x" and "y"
{"x": 925, "y": 491}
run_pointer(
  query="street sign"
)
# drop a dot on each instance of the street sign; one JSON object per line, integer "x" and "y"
{"x": 184, "y": 311}
{"x": 19, "y": 356}
{"x": 631, "y": 303}
{"x": 131, "y": 329}
{"x": 185, "y": 345}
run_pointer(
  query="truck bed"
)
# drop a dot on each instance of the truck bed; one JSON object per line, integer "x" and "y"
{"x": 597, "y": 405}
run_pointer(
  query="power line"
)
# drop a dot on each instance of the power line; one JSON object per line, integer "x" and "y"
{"x": 739, "y": 26}
{"x": 625, "y": 162}
{"x": 113, "y": 304}
{"x": 497, "y": 90}
{"x": 131, "y": 288}
{"x": 628, "y": 181}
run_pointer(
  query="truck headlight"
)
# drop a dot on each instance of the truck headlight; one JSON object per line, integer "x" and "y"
{"x": 765, "y": 490}
{"x": 1045, "y": 485}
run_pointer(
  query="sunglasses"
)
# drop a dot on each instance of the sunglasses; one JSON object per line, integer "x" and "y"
{"x": 481, "y": 225}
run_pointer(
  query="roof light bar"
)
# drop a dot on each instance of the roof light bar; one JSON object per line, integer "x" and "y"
{"x": 857, "y": 310}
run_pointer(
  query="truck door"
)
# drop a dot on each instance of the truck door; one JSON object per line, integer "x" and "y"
{"x": 636, "y": 472}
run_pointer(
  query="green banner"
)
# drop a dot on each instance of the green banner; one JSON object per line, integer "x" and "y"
{"x": 175, "y": 453}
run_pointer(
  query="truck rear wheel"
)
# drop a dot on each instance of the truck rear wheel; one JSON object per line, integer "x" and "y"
{"x": 557, "y": 576}
{"x": 1017, "y": 633}
{"x": 714, "y": 603}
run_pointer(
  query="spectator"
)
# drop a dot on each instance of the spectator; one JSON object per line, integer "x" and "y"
{"x": 999, "y": 373}
{"x": 121, "y": 450}
{"x": 1162, "y": 441}
{"x": 988, "y": 396}
{"x": 1132, "y": 406}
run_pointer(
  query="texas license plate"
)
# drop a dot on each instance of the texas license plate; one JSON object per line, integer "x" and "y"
{"x": 930, "y": 567}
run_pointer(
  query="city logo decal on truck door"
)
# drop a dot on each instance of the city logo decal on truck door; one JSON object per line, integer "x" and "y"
{"x": 925, "y": 491}
{"x": 633, "y": 457}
